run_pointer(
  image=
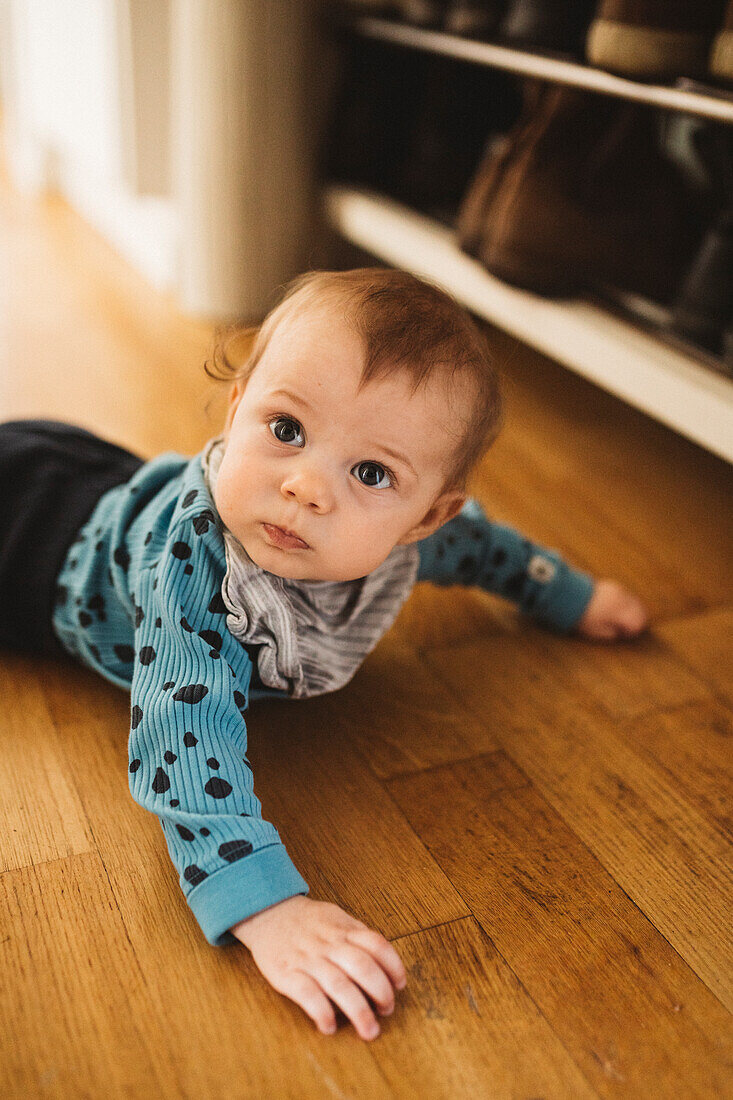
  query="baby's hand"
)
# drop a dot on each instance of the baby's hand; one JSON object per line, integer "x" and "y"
{"x": 613, "y": 612}
{"x": 312, "y": 950}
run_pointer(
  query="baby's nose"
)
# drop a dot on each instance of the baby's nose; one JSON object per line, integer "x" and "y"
{"x": 310, "y": 488}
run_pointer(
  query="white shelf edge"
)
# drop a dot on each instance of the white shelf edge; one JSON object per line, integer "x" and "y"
{"x": 623, "y": 359}
{"x": 544, "y": 68}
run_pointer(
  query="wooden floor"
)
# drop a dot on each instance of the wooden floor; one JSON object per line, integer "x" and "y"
{"x": 543, "y": 827}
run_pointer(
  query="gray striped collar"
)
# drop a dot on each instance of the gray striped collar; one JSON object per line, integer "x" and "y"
{"x": 313, "y": 635}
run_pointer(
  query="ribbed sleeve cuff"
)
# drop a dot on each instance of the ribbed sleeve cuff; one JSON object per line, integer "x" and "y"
{"x": 245, "y": 887}
{"x": 565, "y": 599}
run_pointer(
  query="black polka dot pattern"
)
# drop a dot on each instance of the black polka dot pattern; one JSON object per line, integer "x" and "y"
{"x": 194, "y": 874}
{"x": 217, "y": 605}
{"x": 202, "y": 521}
{"x": 467, "y": 568}
{"x": 161, "y": 783}
{"x": 122, "y": 558}
{"x": 233, "y": 850}
{"x": 191, "y": 693}
{"x": 181, "y": 550}
{"x": 218, "y": 787}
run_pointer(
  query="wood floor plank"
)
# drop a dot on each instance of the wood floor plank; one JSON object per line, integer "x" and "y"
{"x": 468, "y": 1026}
{"x": 705, "y": 643}
{"x": 41, "y": 815}
{"x": 526, "y": 673}
{"x": 68, "y": 1025}
{"x": 655, "y": 843}
{"x": 87, "y": 1010}
{"x": 399, "y": 715}
{"x": 691, "y": 746}
{"x": 632, "y": 1014}
{"x": 625, "y": 680}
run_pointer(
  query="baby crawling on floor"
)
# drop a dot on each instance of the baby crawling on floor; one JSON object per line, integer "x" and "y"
{"x": 271, "y": 564}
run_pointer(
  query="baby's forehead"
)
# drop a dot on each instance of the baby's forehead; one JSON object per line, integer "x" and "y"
{"x": 321, "y": 350}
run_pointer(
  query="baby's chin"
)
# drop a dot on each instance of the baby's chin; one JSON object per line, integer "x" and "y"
{"x": 286, "y": 565}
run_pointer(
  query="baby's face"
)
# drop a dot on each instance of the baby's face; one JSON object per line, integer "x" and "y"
{"x": 351, "y": 475}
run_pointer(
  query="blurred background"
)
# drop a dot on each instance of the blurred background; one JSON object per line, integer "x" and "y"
{"x": 562, "y": 167}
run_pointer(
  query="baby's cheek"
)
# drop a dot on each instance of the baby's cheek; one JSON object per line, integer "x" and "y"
{"x": 225, "y": 496}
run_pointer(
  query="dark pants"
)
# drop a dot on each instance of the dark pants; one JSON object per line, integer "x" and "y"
{"x": 51, "y": 476}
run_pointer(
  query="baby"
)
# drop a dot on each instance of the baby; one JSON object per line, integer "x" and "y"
{"x": 271, "y": 564}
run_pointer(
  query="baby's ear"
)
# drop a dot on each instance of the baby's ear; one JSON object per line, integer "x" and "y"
{"x": 234, "y": 397}
{"x": 445, "y": 508}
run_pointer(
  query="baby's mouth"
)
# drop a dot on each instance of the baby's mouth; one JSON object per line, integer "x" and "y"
{"x": 285, "y": 539}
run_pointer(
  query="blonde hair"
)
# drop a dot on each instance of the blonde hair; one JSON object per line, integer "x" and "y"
{"x": 406, "y": 324}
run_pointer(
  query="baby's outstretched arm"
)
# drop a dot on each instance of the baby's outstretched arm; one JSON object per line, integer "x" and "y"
{"x": 188, "y": 738}
{"x": 473, "y": 550}
{"x": 311, "y": 951}
{"x": 188, "y": 765}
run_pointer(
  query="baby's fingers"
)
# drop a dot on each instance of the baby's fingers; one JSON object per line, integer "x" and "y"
{"x": 383, "y": 952}
{"x": 366, "y": 972}
{"x": 306, "y": 992}
{"x": 347, "y": 996}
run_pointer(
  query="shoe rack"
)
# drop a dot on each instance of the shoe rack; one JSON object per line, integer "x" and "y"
{"x": 622, "y": 357}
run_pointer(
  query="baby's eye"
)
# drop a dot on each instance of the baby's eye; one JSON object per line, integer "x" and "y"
{"x": 373, "y": 475}
{"x": 284, "y": 429}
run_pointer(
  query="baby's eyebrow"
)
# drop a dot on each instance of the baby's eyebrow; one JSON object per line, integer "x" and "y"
{"x": 398, "y": 456}
{"x": 293, "y": 397}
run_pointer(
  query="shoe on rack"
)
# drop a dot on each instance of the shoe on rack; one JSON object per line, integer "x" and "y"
{"x": 721, "y": 54}
{"x": 473, "y": 18}
{"x": 590, "y": 202}
{"x": 552, "y": 26}
{"x": 499, "y": 149}
{"x": 654, "y": 39}
{"x": 703, "y": 308}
